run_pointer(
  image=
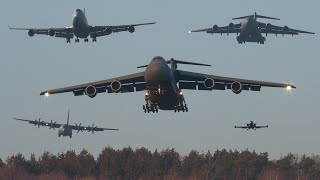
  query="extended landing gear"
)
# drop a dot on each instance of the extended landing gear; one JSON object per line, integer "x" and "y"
{"x": 94, "y": 39}
{"x": 68, "y": 40}
{"x": 86, "y": 40}
{"x": 77, "y": 40}
{"x": 152, "y": 108}
{"x": 181, "y": 107}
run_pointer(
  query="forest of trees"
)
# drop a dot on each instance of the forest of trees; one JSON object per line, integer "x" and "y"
{"x": 166, "y": 164}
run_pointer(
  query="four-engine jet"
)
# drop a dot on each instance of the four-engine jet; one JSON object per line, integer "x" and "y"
{"x": 251, "y": 125}
{"x": 164, "y": 85}
{"x": 251, "y": 30}
{"x": 65, "y": 129}
{"x": 81, "y": 29}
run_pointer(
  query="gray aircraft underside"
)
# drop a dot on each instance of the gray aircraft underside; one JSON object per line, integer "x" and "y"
{"x": 251, "y": 125}
{"x": 81, "y": 29}
{"x": 251, "y": 30}
{"x": 164, "y": 85}
{"x": 65, "y": 129}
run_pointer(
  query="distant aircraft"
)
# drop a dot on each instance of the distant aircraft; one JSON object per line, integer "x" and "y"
{"x": 65, "y": 129}
{"x": 81, "y": 29}
{"x": 251, "y": 30}
{"x": 164, "y": 85}
{"x": 251, "y": 125}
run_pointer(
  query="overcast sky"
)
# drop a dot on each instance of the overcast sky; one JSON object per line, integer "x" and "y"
{"x": 31, "y": 65}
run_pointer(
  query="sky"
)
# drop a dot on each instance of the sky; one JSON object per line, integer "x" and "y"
{"x": 31, "y": 65}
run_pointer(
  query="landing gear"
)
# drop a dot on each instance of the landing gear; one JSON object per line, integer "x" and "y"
{"x": 86, "y": 40}
{"x": 181, "y": 107}
{"x": 153, "y": 108}
{"x": 70, "y": 136}
{"x": 94, "y": 39}
{"x": 77, "y": 40}
{"x": 68, "y": 40}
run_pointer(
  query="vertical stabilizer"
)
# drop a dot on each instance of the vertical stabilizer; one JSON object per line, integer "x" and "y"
{"x": 68, "y": 116}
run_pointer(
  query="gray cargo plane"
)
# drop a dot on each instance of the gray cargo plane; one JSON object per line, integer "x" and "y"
{"x": 164, "y": 85}
{"x": 251, "y": 30}
{"x": 81, "y": 29}
{"x": 251, "y": 125}
{"x": 65, "y": 129}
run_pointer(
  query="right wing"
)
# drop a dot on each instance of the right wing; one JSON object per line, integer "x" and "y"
{"x": 40, "y": 123}
{"x": 66, "y": 32}
{"x": 129, "y": 83}
{"x": 236, "y": 28}
{"x": 262, "y": 126}
{"x": 90, "y": 128}
{"x": 243, "y": 127}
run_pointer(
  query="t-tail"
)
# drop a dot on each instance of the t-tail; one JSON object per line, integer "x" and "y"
{"x": 68, "y": 117}
{"x": 173, "y": 63}
{"x": 255, "y": 16}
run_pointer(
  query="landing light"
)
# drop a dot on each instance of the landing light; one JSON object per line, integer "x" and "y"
{"x": 181, "y": 93}
{"x": 289, "y": 88}
{"x": 46, "y": 94}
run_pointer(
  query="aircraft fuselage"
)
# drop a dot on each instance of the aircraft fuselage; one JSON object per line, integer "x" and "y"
{"x": 250, "y": 31}
{"x": 65, "y": 130}
{"x": 162, "y": 89}
{"x": 80, "y": 24}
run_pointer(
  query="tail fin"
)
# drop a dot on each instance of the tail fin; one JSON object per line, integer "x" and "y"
{"x": 84, "y": 11}
{"x": 68, "y": 116}
{"x": 174, "y": 63}
{"x": 255, "y": 16}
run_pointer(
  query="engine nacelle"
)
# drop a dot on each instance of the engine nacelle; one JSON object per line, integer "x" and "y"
{"x": 209, "y": 83}
{"x": 91, "y": 91}
{"x": 116, "y": 86}
{"x": 31, "y": 33}
{"x": 108, "y": 31}
{"x": 268, "y": 26}
{"x": 231, "y": 26}
{"x": 131, "y": 29}
{"x": 51, "y": 32}
{"x": 236, "y": 87}
{"x": 215, "y": 28}
{"x": 285, "y": 28}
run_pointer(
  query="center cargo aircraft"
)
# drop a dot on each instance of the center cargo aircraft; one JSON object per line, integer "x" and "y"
{"x": 163, "y": 85}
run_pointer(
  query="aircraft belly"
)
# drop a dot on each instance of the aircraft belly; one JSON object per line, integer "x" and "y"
{"x": 165, "y": 101}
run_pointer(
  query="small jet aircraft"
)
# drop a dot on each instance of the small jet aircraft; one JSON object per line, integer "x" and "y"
{"x": 251, "y": 125}
{"x": 81, "y": 29}
{"x": 164, "y": 85}
{"x": 65, "y": 129}
{"x": 251, "y": 30}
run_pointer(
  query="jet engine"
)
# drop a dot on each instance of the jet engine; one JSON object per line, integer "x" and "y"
{"x": 31, "y": 33}
{"x": 51, "y": 32}
{"x": 108, "y": 31}
{"x": 236, "y": 87}
{"x": 231, "y": 26}
{"x": 116, "y": 86}
{"x": 131, "y": 29}
{"x": 209, "y": 83}
{"x": 215, "y": 27}
{"x": 268, "y": 26}
{"x": 91, "y": 91}
{"x": 285, "y": 28}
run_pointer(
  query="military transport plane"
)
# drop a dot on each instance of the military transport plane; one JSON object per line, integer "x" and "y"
{"x": 81, "y": 29}
{"x": 164, "y": 85}
{"x": 251, "y": 30}
{"x": 251, "y": 125}
{"x": 65, "y": 129}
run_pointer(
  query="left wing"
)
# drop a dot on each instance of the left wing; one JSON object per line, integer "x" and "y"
{"x": 191, "y": 80}
{"x": 232, "y": 28}
{"x": 243, "y": 127}
{"x": 273, "y": 29}
{"x": 128, "y": 83}
{"x": 106, "y": 30}
{"x": 40, "y": 123}
{"x": 66, "y": 32}
{"x": 90, "y": 128}
{"x": 262, "y": 126}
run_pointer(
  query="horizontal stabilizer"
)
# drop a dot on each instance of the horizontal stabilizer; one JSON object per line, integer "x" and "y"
{"x": 255, "y": 16}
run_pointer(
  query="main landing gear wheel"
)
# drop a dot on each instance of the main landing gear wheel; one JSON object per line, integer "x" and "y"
{"x": 77, "y": 40}
{"x": 68, "y": 40}
{"x": 86, "y": 40}
{"x": 94, "y": 39}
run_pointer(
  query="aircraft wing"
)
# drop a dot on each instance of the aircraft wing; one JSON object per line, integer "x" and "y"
{"x": 221, "y": 30}
{"x": 191, "y": 80}
{"x": 243, "y": 127}
{"x": 262, "y": 126}
{"x": 40, "y": 123}
{"x": 90, "y": 128}
{"x": 66, "y": 32}
{"x": 129, "y": 83}
{"x": 273, "y": 29}
{"x": 102, "y": 30}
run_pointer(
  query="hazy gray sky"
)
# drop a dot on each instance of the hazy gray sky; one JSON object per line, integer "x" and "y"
{"x": 30, "y": 65}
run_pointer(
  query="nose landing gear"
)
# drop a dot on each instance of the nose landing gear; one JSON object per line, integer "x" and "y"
{"x": 181, "y": 107}
{"x": 150, "y": 108}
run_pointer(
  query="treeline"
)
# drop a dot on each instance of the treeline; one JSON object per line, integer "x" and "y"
{"x": 166, "y": 164}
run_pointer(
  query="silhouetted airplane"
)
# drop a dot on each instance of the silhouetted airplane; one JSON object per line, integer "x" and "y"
{"x": 251, "y": 30}
{"x": 65, "y": 129}
{"x": 81, "y": 29}
{"x": 164, "y": 85}
{"x": 251, "y": 125}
